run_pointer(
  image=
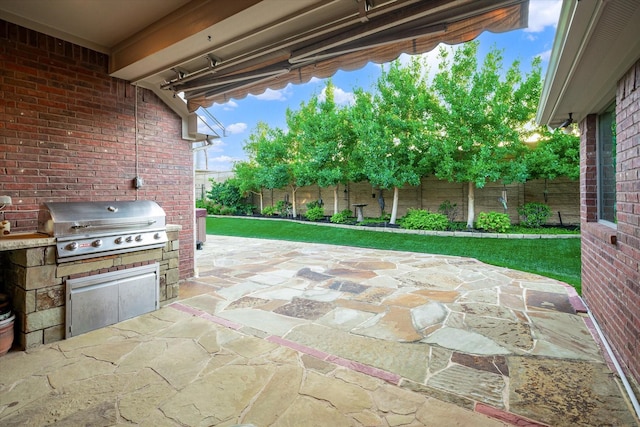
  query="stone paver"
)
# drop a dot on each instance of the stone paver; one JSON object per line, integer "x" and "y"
{"x": 283, "y": 334}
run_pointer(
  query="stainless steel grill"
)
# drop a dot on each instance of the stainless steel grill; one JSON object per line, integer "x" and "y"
{"x": 92, "y": 229}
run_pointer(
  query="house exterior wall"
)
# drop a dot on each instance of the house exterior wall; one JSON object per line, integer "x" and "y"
{"x": 610, "y": 257}
{"x": 67, "y": 133}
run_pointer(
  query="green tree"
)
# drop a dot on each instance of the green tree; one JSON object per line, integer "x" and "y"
{"x": 485, "y": 116}
{"x": 226, "y": 194}
{"x": 246, "y": 177}
{"x": 325, "y": 142}
{"x": 268, "y": 148}
{"x": 296, "y": 158}
{"x": 556, "y": 154}
{"x": 392, "y": 129}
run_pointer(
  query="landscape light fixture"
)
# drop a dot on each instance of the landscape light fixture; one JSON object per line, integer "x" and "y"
{"x": 568, "y": 121}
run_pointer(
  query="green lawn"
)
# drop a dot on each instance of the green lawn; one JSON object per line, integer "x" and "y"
{"x": 556, "y": 258}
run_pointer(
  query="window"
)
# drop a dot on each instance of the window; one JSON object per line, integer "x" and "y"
{"x": 607, "y": 166}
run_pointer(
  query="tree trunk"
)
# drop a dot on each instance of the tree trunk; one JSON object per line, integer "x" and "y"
{"x": 293, "y": 201}
{"x": 394, "y": 209}
{"x": 335, "y": 199}
{"x": 471, "y": 208}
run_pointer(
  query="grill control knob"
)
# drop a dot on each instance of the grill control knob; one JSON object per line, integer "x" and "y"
{"x": 157, "y": 236}
{"x": 118, "y": 240}
{"x": 72, "y": 246}
{"x": 96, "y": 243}
{"x": 129, "y": 239}
{"x": 139, "y": 238}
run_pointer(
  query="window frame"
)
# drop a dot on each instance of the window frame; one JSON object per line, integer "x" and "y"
{"x": 609, "y": 110}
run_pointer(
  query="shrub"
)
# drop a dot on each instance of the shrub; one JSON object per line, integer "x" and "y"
{"x": 449, "y": 210}
{"x": 494, "y": 222}
{"x": 212, "y": 208}
{"x": 314, "y": 204}
{"x": 269, "y": 211}
{"x": 420, "y": 219}
{"x": 315, "y": 213}
{"x": 382, "y": 219}
{"x": 283, "y": 208}
{"x": 342, "y": 217}
{"x": 246, "y": 209}
{"x": 227, "y": 211}
{"x": 205, "y": 204}
{"x": 534, "y": 214}
{"x": 226, "y": 194}
{"x": 457, "y": 226}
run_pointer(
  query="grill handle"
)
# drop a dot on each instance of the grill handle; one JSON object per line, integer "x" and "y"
{"x": 113, "y": 226}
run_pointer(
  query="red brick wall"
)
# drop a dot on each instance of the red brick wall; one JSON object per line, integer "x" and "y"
{"x": 67, "y": 133}
{"x": 610, "y": 257}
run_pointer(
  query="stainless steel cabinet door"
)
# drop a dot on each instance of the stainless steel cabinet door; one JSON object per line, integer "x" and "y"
{"x": 137, "y": 295}
{"x": 104, "y": 299}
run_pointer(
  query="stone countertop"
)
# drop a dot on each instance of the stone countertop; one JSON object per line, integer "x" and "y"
{"x": 24, "y": 240}
{"x": 174, "y": 227}
{"x": 32, "y": 239}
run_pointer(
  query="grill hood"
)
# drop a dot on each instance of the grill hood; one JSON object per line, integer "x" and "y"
{"x": 73, "y": 219}
{"x": 90, "y": 229}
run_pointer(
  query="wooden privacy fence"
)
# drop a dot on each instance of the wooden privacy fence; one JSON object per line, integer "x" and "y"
{"x": 561, "y": 195}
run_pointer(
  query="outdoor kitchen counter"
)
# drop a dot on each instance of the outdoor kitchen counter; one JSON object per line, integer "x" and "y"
{"x": 25, "y": 240}
{"x": 37, "y": 281}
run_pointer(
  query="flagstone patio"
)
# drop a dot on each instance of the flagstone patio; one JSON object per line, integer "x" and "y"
{"x": 283, "y": 333}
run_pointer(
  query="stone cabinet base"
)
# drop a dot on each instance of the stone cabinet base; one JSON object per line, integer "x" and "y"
{"x": 36, "y": 284}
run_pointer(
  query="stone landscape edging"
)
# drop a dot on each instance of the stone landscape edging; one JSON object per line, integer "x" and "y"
{"x": 419, "y": 232}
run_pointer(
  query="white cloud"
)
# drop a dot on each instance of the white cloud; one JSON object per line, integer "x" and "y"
{"x": 339, "y": 96}
{"x": 236, "y": 128}
{"x": 224, "y": 159}
{"x": 542, "y": 14}
{"x": 273, "y": 95}
{"x": 230, "y": 105}
{"x": 546, "y": 55}
{"x": 431, "y": 59}
{"x": 227, "y": 105}
{"x": 217, "y": 146}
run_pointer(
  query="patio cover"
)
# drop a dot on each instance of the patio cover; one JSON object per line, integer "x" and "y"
{"x": 362, "y": 35}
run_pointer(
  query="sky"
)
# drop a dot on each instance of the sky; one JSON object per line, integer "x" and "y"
{"x": 240, "y": 117}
